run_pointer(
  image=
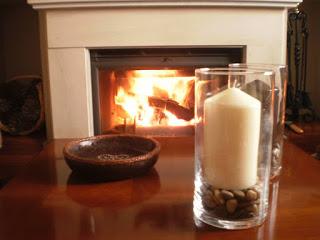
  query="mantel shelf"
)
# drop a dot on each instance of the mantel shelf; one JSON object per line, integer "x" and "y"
{"x": 58, "y": 4}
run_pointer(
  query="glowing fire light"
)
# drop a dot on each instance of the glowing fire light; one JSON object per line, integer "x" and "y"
{"x": 162, "y": 84}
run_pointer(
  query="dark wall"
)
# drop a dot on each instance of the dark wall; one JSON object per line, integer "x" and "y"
{"x": 19, "y": 40}
{"x": 312, "y": 9}
{"x": 2, "y": 63}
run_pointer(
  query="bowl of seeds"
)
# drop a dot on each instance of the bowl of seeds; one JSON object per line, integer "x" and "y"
{"x": 112, "y": 157}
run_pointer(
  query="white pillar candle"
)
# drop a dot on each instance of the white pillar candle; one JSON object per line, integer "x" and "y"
{"x": 231, "y": 139}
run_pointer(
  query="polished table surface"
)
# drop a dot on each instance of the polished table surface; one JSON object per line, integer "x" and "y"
{"x": 47, "y": 202}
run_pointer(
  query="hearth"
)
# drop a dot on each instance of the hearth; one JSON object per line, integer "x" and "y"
{"x": 150, "y": 91}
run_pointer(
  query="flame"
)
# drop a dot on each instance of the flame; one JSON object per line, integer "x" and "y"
{"x": 164, "y": 84}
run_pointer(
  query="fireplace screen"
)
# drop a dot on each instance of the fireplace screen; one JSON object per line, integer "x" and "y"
{"x": 150, "y": 91}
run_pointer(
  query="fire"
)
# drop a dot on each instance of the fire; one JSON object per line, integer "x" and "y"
{"x": 157, "y": 97}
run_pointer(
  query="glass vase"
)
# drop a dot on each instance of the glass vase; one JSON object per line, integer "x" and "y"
{"x": 280, "y": 92}
{"x": 233, "y": 138}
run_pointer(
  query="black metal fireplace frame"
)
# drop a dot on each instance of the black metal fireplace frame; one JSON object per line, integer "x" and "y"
{"x": 156, "y": 58}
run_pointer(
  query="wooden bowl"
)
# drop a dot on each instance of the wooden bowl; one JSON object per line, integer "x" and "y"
{"x": 112, "y": 157}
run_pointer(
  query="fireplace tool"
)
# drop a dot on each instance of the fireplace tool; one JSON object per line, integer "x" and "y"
{"x": 299, "y": 105}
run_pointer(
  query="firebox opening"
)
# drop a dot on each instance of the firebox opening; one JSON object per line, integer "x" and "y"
{"x": 150, "y": 91}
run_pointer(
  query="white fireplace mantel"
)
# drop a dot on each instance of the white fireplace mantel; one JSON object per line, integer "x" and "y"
{"x": 51, "y": 4}
{"x": 69, "y": 29}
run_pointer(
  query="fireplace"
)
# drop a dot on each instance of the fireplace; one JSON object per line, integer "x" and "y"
{"x": 72, "y": 32}
{"x": 150, "y": 91}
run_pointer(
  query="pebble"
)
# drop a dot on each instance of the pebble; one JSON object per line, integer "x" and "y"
{"x": 248, "y": 203}
{"x": 227, "y": 194}
{"x": 242, "y": 213}
{"x": 209, "y": 193}
{"x": 231, "y": 205}
{"x": 218, "y": 197}
{"x": 251, "y": 195}
{"x": 252, "y": 208}
{"x": 207, "y": 201}
{"x": 244, "y": 204}
{"x": 239, "y": 194}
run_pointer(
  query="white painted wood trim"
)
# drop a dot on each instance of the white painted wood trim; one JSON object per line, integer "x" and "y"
{"x": 283, "y": 46}
{"x": 56, "y": 4}
{"x": 88, "y": 79}
{"x": 70, "y": 92}
{"x": 118, "y": 28}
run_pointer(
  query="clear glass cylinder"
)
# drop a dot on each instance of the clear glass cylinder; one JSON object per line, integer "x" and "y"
{"x": 280, "y": 92}
{"x": 233, "y": 137}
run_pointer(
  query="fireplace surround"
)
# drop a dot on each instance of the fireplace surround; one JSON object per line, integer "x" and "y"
{"x": 71, "y": 29}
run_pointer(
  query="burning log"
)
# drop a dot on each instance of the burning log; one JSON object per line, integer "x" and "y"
{"x": 172, "y": 106}
{"x": 179, "y": 111}
{"x": 189, "y": 100}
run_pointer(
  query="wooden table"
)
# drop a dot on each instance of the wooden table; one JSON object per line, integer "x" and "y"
{"x": 17, "y": 151}
{"x": 48, "y": 202}
{"x": 309, "y": 140}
